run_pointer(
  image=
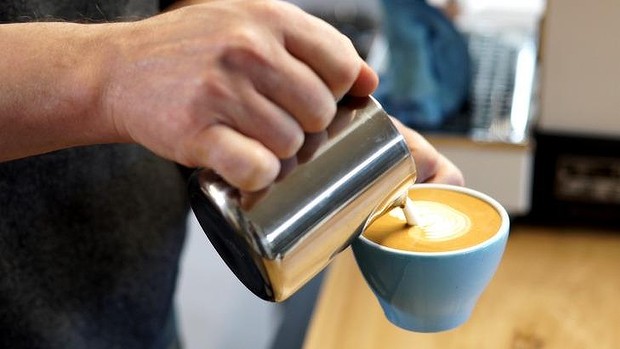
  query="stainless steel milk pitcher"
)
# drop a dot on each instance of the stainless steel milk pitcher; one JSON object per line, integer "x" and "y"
{"x": 278, "y": 239}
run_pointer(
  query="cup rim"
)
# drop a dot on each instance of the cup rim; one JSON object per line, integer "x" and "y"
{"x": 501, "y": 231}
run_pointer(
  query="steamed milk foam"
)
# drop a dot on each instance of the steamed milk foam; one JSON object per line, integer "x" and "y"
{"x": 443, "y": 220}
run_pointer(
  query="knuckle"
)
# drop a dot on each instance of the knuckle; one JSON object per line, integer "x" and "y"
{"x": 428, "y": 169}
{"x": 321, "y": 115}
{"x": 268, "y": 7}
{"x": 243, "y": 49}
{"x": 343, "y": 82}
{"x": 343, "y": 78}
{"x": 290, "y": 144}
{"x": 276, "y": 11}
{"x": 256, "y": 174}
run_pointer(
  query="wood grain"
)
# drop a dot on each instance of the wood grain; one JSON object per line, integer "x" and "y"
{"x": 555, "y": 288}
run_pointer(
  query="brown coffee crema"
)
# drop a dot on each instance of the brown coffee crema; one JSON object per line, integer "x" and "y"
{"x": 448, "y": 221}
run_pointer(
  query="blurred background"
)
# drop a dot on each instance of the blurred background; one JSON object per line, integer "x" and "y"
{"x": 520, "y": 94}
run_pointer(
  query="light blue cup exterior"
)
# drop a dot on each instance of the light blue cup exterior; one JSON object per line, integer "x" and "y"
{"x": 436, "y": 291}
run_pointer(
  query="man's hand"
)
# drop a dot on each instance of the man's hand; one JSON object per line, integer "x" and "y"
{"x": 432, "y": 166}
{"x": 230, "y": 85}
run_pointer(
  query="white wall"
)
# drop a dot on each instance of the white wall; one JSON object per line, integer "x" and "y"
{"x": 580, "y": 67}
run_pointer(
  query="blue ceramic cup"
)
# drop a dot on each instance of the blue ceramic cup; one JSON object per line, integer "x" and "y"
{"x": 432, "y": 291}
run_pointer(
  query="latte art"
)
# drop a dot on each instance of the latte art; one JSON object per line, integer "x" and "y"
{"x": 438, "y": 221}
{"x": 434, "y": 221}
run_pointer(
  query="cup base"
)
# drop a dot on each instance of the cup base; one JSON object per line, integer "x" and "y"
{"x": 425, "y": 324}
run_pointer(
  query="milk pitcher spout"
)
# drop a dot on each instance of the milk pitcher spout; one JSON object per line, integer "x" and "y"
{"x": 276, "y": 240}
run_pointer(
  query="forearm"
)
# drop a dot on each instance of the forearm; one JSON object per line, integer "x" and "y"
{"x": 49, "y": 89}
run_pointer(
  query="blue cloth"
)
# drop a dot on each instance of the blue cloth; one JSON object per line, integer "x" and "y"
{"x": 428, "y": 74}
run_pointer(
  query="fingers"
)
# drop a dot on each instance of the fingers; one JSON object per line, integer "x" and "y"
{"x": 330, "y": 54}
{"x": 244, "y": 162}
{"x": 255, "y": 116}
{"x": 239, "y": 82}
{"x": 447, "y": 172}
{"x": 303, "y": 78}
{"x": 285, "y": 81}
{"x": 367, "y": 81}
{"x": 431, "y": 166}
{"x": 299, "y": 76}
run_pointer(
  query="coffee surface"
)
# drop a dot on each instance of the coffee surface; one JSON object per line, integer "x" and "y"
{"x": 447, "y": 220}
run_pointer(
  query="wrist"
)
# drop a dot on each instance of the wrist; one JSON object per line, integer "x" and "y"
{"x": 87, "y": 84}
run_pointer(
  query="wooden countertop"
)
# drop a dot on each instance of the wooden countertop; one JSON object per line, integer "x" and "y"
{"x": 555, "y": 288}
